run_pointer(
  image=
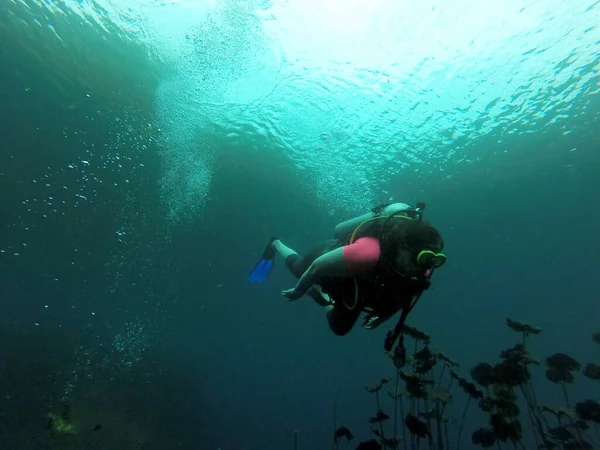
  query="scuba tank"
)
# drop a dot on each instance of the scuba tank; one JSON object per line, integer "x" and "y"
{"x": 343, "y": 229}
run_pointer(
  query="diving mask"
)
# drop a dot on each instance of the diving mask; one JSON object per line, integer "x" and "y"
{"x": 431, "y": 260}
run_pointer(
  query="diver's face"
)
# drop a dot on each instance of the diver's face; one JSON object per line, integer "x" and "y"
{"x": 405, "y": 263}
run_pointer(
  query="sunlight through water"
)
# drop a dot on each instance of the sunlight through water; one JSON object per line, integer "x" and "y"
{"x": 353, "y": 92}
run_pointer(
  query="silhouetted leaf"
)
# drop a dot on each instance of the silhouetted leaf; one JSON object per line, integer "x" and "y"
{"x": 522, "y": 327}
{"x": 343, "y": 432}
{"x": 592, "y": 371}
{"x": 484, "y": 437}
{"x": 377, "y": 386}
{"x": 483, "y": 374}
{"x": 380, "y": 417}
{"x": 441, "y": 394}
{"x": 562, "y": 361}
{"x": 588, "y": 410}
{"x": 416, "y": 426}
{"x": 369, "y": 445}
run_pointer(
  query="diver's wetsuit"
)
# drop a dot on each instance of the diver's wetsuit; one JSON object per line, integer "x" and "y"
{"x": 299, "y": 264}
{"x": 364, "y": 252}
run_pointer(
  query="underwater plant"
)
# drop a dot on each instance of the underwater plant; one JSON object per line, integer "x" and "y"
{"x": 502, "y": 390}
{"x": 342, "y": 432}
{"x": 521, "y": 327}
{"x": 592, "y": 371}
{"x": 61, "y": 426}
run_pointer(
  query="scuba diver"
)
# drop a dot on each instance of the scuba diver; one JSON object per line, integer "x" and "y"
{"x": 379, "y": 263}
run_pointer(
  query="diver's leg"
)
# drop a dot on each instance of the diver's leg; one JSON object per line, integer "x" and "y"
{"x": 342, "y": 319}
{"x": 299, "y": 264}
{"x": 283, "y": 250}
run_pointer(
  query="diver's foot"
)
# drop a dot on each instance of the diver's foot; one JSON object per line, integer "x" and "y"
{"x": 275, "y": 245}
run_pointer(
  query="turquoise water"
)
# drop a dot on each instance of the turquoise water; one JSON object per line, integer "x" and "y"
{"x": 369, "y": 91}
{"x": 148, "y": 149}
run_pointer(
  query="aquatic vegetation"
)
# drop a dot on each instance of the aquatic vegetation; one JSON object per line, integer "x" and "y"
{"x": 592, "y": 371}
{"x": 61, "y": 425}
{"x": 379, "y": 417}
{"x": 369, "y": 445}
{"x": 561, "y": 368}
{"x": 503, "y": 391}
{"x": 449, "y": 362}
{"x": 342, "y": 432}
{"x": 416, "y": 426}
{"x": 522, "y": 327}
{"x": 417, "y": 335}
{"x": 424, "y": 360}
{"x": 377, "y": 386}
{"x": 483, "y": 374}
{"x": 589, "y": 410}
{"x": 415, "y": 385}
{"x": 484, "y": 437}
{"x": 440, "y": 394}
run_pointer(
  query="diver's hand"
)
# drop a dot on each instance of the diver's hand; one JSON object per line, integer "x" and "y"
{"x": 292, "y": 294}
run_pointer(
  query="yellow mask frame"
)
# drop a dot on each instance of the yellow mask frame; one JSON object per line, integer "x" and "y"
{"x": 431, "y": 260}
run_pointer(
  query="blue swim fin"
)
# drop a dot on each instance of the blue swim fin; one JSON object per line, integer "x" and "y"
{"x": 264, "y": 265}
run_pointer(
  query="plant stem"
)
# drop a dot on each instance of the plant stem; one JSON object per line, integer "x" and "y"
{"x": 462, "y": 421}
{"x": 564, "y": 390}
{"x": 441, "y": 374}
{"x": 535, "y": 421}
{"x": 403, "y": 417}
{"x": 439, "y": 425}
{"x": 446, "y": 433}
{"x": 333, "y": 443}
{"x": 431, "y": 443}
{"x": 593, "y": 441}
{"x": 396, "y": 408}
{"x": 535, "y": 404}
{"x": 531, "y": 419}
{"x": 450, "y": 384}
{"x": 533, "y": 428}
{"x": 380, "y": 422}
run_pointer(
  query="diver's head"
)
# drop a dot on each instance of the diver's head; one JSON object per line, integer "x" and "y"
{"x": 417, "y": 247}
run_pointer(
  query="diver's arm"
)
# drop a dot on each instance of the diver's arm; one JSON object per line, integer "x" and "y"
{"x": 353, "y": 259}
{"x": 331, "y": 264}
